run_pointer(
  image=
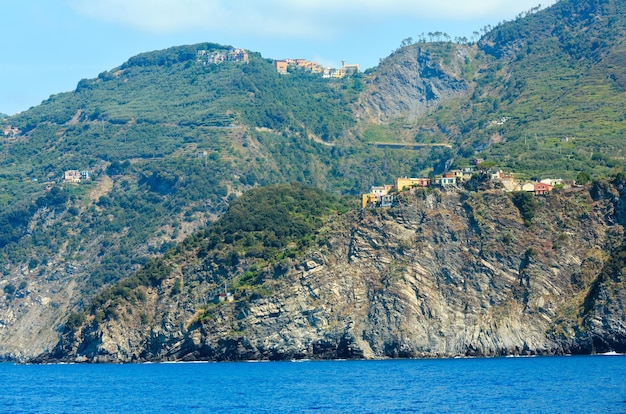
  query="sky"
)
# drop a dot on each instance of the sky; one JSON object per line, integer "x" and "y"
{"x": 48, "y": 46}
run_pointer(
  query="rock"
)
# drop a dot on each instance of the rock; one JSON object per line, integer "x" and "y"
{"x": 414, "y": 81}
{"x": 425, "y": 279}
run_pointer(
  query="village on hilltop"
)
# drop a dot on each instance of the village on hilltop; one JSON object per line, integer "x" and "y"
{"x": 207, "y": 57}
{"x": 385, "y": 195}
{"x": 347, "y": 69}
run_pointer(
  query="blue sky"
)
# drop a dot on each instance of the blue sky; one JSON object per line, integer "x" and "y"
{"x": 48, "y": 46}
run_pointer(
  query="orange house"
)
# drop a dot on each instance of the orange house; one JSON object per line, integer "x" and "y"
{"x": 542, "y": 188}
{"x": 281, "y": 66}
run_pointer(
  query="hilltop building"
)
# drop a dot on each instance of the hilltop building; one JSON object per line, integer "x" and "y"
{"x": 10, "y": 131}
{"x": 282, "y": 66}
{"x": 206, "y": 57}
{"x": 379, "y": 196}
{"x": 350, "y": 68}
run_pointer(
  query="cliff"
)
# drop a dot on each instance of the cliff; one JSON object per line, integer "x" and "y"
{"x": 415, "y": 79}
{"x": 440, "y": 274}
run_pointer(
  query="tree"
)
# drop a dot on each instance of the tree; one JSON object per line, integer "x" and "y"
{"x": 406, "y": 42}
{"x": 583, "y": 178}
{"x": 526, "y": 204}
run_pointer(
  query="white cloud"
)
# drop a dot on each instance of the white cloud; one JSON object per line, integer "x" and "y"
{"x": 296, "y": 18}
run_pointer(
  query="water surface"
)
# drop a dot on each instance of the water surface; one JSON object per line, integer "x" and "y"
{"x": 492, "y": 385}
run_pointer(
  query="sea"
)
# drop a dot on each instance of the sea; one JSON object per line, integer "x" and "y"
{"x": 575, "y": 384}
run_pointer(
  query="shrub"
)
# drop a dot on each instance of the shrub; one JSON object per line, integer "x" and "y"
{"x": 526, "y": 204}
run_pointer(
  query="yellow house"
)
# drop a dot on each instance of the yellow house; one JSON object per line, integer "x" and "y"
{"x": 406, "y": 183}
{"x": 367, "y": 199}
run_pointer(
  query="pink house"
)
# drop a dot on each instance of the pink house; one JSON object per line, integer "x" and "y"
{"x": 542, "y": 188}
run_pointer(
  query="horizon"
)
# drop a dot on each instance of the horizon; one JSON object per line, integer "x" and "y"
{"x": 54, "y": 46}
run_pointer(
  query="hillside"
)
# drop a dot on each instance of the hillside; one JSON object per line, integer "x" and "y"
{"x": 163, "y": 161}
{"x": 441, "y": 274}
{"x": 539, "y": 94}
{"x": 168, "y": 140}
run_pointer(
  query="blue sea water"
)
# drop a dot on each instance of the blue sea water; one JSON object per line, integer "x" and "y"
{"x": 592, "y": 384}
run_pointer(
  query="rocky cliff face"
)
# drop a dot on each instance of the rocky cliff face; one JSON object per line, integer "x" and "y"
{"x": 415, "y": 80}
{"x": 441, "y": 274}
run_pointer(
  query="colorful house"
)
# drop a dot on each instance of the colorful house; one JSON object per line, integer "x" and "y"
{"x": 447, "y": 180}
{"x": 281, "y": 66}
{"x": 407, "y": 183}
{"x": 378, "y": 197}
{"x": 542, "y": 188}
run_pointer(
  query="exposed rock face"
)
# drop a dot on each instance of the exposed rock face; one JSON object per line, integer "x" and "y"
{"x": 415, "y": 80}
{"x": 440, "y": 274}
{"x": 30, "y": 316}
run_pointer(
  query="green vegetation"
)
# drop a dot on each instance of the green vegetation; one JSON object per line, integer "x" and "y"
{"x": 169, "y": 143}
{"x": 259, "y": 230}
{"x": 263, "y": 221}
{"x": 545, "y": 100}
{"x": 526, "y": 204}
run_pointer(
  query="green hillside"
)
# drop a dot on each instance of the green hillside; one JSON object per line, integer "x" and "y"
{"x": 169, "y": 140}
{"x": 261, "y": 229}
{"x": 549, "y": 96}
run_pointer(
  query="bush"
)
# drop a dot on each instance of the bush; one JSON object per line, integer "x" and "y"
{"x": 526, "y": 204}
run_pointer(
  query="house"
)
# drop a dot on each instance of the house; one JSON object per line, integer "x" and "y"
{"x": 367, "y": 200}
{"x": 380, "y": 191}
{"x": 507, "y": 180}
{"x": 9, "y": 130}
{"x": 469, "y": 170}
{"x": 378, "y": 197}
{"x": 386, "y": 200}
{"x": 552, "y": 181}
{"x": 281, "y": 66}
{"x": 71, "y": 176}
{"x": 464, "y": 174}
{"x": 407, "y": 183}
{"x": 333, "y": 73}
{"x": 237, "y": 55}
{"x": 495, "y": 174}
{"x": 528, "y": 187}
{"x": 542, "y": 188}
{"x": 206, "y": 57}
{"x": 75, "y": 176}
{"x": 447, "y": 180}
{"x": 509, "y": 184}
